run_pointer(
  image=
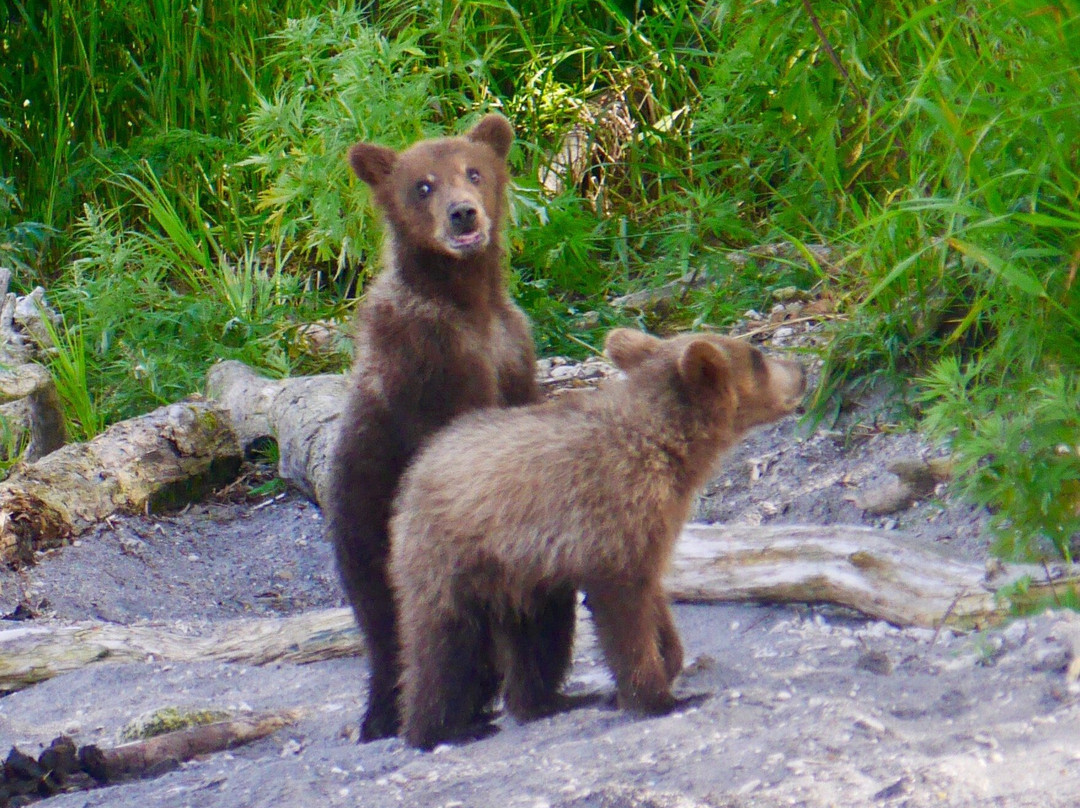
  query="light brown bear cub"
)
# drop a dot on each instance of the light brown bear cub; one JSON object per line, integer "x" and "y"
{"x": 437, "y": 336}
{"x": 586, "y": 492}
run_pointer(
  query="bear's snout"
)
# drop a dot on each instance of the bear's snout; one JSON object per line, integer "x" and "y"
{"x": 462, "y": 217}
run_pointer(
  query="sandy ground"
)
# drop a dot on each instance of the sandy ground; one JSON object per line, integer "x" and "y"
{"x": 801, "y": 706}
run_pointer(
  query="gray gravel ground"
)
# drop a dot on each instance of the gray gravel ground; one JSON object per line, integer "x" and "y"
{"x": 799, "y": 706}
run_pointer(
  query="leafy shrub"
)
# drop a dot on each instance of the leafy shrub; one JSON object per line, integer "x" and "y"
{"x": 339, "y": 81}
{"x": 1017, "y": 451}
{"x": 933, "y": 146}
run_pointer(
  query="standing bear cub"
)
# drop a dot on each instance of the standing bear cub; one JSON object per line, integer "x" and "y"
{"x": 437, "y": 336}
{"x": 587, "y": 492}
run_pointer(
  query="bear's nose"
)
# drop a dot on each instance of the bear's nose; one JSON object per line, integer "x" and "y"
{"x": 462, "y": 218}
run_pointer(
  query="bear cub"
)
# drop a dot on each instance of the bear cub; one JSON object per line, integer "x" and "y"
{"x": 586, "y": 492}
{"x": 437, "y": 335}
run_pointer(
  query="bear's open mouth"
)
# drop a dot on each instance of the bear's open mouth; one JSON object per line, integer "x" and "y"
{"x": 467, "y": 242}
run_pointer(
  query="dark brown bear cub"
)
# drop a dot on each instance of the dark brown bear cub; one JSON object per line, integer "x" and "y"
{"x": 587, "y": 492}
{"x": 437, "y": 336}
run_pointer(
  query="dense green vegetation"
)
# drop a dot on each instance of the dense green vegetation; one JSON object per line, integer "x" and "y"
{"x": 173, "y": 172}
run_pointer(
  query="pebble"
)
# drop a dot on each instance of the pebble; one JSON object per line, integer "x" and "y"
{"x": 876, "y": 662}
{"x": 1016, "y": 633}
{"x": 748, "y": 787}
{"x": 869, "y": 724}
{"x": 1051, "y": 657}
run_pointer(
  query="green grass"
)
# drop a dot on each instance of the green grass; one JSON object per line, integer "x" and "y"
{"x": 174, "y": 172}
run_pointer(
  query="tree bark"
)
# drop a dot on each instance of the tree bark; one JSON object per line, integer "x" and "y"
{"x": 151, "y": 756}
{"x": 29, "y": 405}
{"x": 860, "y": 568}
{"x": 866, "y": 569}
{"x": 63, "y": 768}
{"x": 170, "y": 456}
{"x": 36, "y": 652}
{"x": 299, "y": 413}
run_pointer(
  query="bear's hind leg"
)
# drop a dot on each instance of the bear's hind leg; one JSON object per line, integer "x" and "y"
{"x": 540, "y": 647}
{"x": 446, "y": 673}
{"x": 361, "y": 556}
{"x": 376, "y": 617}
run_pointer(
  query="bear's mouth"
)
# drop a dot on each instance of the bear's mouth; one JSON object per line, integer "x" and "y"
{"x": 467, "y": 242}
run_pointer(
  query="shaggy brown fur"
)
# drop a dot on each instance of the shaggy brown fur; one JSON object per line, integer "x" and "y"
{"x": 588, "y": 492}
{"x": 437, "y": 336}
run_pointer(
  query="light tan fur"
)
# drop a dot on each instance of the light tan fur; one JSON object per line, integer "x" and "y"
{"x": 589, "y": 491}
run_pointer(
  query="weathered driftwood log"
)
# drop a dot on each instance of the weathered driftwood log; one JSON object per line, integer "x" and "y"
{"x": 869, "y": 570}
{"x": 862, "y": 568}
{"x": 35, "y": 652}
{"x": 153, "y": 755}
{"x": 298, "y": 413}
{"x": 31, "y": 408}
{"x": 63, "y": 768}
{"x": 29, "y": 405}
{"x": 172, "y": 455}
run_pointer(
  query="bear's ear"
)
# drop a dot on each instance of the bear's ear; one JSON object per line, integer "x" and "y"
{"x": 372, "y": 163}
{"x": 496, "y": 132}
{"x": 702, "y": 365}
{"x": 627, "y": 348}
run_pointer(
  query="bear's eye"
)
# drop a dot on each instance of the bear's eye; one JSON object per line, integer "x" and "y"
{"x": 473, "y": 175}
{"x": 423, "y": 189}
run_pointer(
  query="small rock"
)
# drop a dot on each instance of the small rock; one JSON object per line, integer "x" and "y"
{"x": 350, "y": 732}
{"x": 876, "y": 662}
{"x": 787, "y": 294}
{"x": 1053, "y": 656}
{"x": 954, "y": 703}
{"x": 701, "y": 664}
{"x": 587, "y": 321}
{"x": 871, "y": 725}
{"x": 889, "y": 498}
{"x": 988, "y": 741}
{"x": 748, "y": 787}
{"x": 897, "y": 789}
{"x": 992, "y": 649}
{"x": 1016, "y": 633}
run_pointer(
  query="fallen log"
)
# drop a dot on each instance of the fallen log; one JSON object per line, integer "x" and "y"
{"x": 31, "y": 409}
{"x": 872, "y": 571}
{"x": 29, "y": 406}
{"x": 154, "y": 755}
{"x": 861, "y": 568}
{"x": 168, "y": 457}
{"x": 299, "y": 413}
{"x": 33, "y": 653}
{"x": 63, "y": 768}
